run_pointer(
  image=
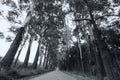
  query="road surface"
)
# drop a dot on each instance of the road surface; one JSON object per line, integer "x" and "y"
{"x": 55, "y": 75}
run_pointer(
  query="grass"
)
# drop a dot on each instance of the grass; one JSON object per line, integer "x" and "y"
{"x": 14, "y": 74}
{"x": 81, "y": 76}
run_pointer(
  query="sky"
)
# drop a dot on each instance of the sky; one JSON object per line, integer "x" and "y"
{"x": 5, "y": 25}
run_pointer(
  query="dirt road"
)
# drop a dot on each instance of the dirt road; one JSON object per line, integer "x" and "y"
{"x": 55, "y": 75}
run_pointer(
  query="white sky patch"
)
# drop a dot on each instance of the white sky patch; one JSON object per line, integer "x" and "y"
{"x": 74, "y": 39}
{"x": 69, "y": 21}
{"x": 82, "y": 41}
{"x": 23, "y": 16}
{"x": 33, "y": 50}
{"x": 69, "y": 17}
{"x": 4, "y": 46}
{"x": 5, "y": 9}
{"x": 4, "y": 25}
{"x": 65, "y": 6}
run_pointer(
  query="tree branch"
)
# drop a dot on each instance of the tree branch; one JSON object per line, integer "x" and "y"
{"x": 106, "y": 16}
{"x": 81, "y": 20}
{"x": 96, "y": 18}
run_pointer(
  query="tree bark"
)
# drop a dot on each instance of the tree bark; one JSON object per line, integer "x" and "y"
{"x": 80, "y": 51}
{"x": 34, "y": 65}
{"x": 47, "y": 62}
{"x": 19, "y": 53}
{"x": 45, "y": 56}
{"x": 6, "y": 62}
{"x": 103, "y": 52}
{"x": 25, "y": 63}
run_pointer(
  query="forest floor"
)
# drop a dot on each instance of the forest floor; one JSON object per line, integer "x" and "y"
{"x": 81, "y": 76}
{"x": 18, "y": 74}
{"x": 59, "y": 75}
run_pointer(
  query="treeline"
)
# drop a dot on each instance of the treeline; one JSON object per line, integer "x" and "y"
{"x": 99, "y": 53}
{"x": 42, "y": 24}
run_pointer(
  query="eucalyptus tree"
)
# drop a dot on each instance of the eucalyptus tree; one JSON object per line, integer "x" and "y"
{"x": 50, "y": 21}
{"x": 32, "y": 36}
{"x": 38, "y": 54}
{"x": 53, "y": 42}
{"x": 90, "y": 8}
{"x": 9, "y": 57}
{"x": 22, "y": 46}
{"x": 72, "y": 59}
{"x": 77, "y": 33}
{"x": 104, "y": 52}
{"x": 46, "y": 55}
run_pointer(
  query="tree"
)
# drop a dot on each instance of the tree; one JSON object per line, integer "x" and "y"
{"x": 106, "y": 57}
{"x": 6, "y": 62}
{"x": 20, "y": 50}
{"x": 9, "y": 57}
{"x": 34, "y": 65}
{"x": 25, "y": 63}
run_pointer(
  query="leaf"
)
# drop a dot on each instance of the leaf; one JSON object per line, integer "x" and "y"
{"x": 8, "y": 38}
{"x": 13, "y": 29}
{"x": 1, "y": 35}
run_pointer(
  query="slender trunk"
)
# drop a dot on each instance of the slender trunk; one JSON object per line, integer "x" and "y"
{"x": 34, "y": 65}
{"x": 45, "y": 56}
{"x": 80, "y": 50}
{"x": 99, "y": 61}
{"x": 72, "y": 63}
{"x": 86, "y": 59}
{"x": 115, "y": 66}
{"x": 47, "y": 61}
{"x": 18, "y": 56}
{"x": 95, "y": 56}
{"x": 6, "y": 62}
{"x": 40, "y": 63}
{"x": 78, "y": 59}
{"x": 90, "y": 56}
{"x": 19, "y": 53}
{"x": 25, "y": 63}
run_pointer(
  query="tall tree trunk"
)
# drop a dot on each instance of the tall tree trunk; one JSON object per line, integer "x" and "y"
{"x": 45, "y": 59}
{"x": 101, "y": 47}
{"x": 40, "y": 61}
{"x": 6, "y": 62}
{"x": 18, "y": 56}
{"x": 25, "y": 63}
{"x": 90, "y": 60}
{"x": 99, "y": 61}
{"x": 86, "y": 59}
{"x": 19, "y": 52}
{"x": 95, "y": 55}
{"x": 80, "y": 50}
{"x": 34, "y": 65}
{"x": 78, "y": 59}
